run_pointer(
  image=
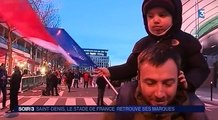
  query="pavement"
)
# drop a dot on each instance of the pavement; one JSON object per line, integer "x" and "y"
{"x": 210, "y": 98}
{"x": 208, "y": 95}
{"x": 204, "y": 93}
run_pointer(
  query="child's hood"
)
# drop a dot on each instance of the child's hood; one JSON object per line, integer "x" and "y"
{"x": 173, "y": 6}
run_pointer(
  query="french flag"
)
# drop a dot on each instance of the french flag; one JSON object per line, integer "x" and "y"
{"x": 19, "y": 15}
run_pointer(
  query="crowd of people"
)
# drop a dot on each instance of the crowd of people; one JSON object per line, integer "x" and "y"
{"x": 74, "y": 77}
{"x": 71, "y": 78}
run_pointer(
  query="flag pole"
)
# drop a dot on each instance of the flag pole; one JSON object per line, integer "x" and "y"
{"x": 115, "y": 91}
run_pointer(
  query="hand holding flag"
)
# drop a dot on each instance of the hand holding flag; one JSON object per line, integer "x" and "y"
{"x": 102, "y": 71}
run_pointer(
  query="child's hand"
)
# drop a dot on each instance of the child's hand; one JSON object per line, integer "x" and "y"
{"x": 182, "y": 80}
{"x": 102, "y": 71}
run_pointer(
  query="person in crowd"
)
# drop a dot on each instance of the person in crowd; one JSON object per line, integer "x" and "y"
{"x": 14, "y": 88}
{"x": 54, "y": 83}
{"x": 3, "y": 83}
{"x": 94, "y": 79}
{"x": 76, "y": 79}
{"x": 81, "y": 77}
{"x": 101, "y": 83}
{"x": 162, "y": 21}
{"x": 58, "y": 73}
{"x": 90, "y": 79}
{"x": 69, "y": 79}
{"x": 64, "y": 78}
{"x": 48, "y": 87}
{"x": 160, "y": 83}
{"x": 86, "y": 79}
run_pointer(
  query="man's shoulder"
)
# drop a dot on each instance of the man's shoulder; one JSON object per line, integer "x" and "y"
{"x": 126, "y": 91}
{"x": 132, "y": 84}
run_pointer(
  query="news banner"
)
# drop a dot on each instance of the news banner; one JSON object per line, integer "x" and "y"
{"x": 109, "y": 109}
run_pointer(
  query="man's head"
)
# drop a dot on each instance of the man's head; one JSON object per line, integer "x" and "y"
{"x": 162, "y": 17}
{"x": 16, "y": 68}
{"x": 158, "y": 70}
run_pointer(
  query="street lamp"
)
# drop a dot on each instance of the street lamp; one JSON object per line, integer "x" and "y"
{"x": 211, "y": 91}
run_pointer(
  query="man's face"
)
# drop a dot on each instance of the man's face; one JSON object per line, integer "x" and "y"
{"x": 158, "y": 85}
{"x": 159, "y": 21}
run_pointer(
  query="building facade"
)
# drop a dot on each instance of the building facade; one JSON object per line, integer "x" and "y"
{"x": 25, "y": 54}
{"x": 200, "y": 19}
{"x": 98, "y": 56}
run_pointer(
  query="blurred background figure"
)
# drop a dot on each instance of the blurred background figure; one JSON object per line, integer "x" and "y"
{"x": 94, "y": 79}
{"x": 3, "y": 83}
{"x": 59, "y": 76}
{"x": 69, "y": 79}
{"x": 86, "y": 77}
{"x": 47, "y": 90}
{"x": 101, "y": 83}
{"x": 76, "y": 78}
{"x": 14, "y": 87}
{"x": 54, "y": 83}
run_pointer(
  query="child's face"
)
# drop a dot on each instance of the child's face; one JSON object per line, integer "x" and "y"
{"x": 159, "y": 21}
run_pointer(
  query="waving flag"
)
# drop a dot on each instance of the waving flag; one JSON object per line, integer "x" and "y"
{"x": 70, "y": 46}
{"x": 19, "y": 15}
